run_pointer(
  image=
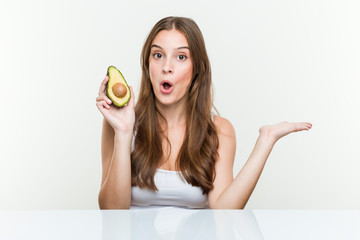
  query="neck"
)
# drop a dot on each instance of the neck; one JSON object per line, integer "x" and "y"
{"x": 174, "y": 114}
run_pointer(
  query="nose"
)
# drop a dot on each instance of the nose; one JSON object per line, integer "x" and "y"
{"x": 168, "y": 67}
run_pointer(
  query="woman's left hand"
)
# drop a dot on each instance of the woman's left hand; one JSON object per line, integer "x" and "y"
{"x": 282, "y": 129}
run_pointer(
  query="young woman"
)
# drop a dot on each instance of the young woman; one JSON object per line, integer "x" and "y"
{"x": 170, "y": 149}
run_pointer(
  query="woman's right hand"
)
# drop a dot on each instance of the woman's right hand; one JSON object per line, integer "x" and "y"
{"x": 121, "y": 119}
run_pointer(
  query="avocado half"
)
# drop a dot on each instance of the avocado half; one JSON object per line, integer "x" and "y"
{"x": 117, "y": 89}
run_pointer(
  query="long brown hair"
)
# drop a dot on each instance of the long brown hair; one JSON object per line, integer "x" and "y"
{"x": 198, "y": 153}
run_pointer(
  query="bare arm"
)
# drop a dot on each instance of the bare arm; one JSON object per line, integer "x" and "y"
{"x": 117, "y": 133}
{"x": 236, "y": 193}
{"x": 239, "y": 191}
{"x": 115, "y": 192}
{"x": 107, "y": 148}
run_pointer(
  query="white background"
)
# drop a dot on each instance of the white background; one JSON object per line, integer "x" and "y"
{"x": 271, "y": 61}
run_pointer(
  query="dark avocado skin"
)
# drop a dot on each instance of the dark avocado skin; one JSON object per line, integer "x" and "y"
{"x": 117, "y": 101}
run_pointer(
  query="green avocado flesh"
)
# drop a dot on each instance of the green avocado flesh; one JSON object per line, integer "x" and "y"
{"x": 117, "y": 89}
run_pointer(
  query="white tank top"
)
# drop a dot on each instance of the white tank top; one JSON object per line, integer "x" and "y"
{"x": 173, "y": 191}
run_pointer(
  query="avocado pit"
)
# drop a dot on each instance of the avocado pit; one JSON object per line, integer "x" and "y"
{"x": 119, "y": 90}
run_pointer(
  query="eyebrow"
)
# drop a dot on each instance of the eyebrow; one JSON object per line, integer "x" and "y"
{"x": 157, "y": 46}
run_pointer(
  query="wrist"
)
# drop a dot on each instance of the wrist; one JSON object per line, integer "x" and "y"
{"x": 123, "y": 135}
{"x": 267, "y": 135}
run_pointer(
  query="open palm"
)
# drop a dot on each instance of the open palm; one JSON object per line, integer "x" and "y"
{"x": 282, "y": 129}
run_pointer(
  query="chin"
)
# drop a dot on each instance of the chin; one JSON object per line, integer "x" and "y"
{"x": 168, "y": 100}
{"x": 165, "y": 102}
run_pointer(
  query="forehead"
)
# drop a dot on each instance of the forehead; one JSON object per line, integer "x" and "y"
{"x": 170, "y": 39}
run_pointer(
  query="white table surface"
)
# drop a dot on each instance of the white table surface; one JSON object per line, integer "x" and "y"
{"x": 173, "y": 223}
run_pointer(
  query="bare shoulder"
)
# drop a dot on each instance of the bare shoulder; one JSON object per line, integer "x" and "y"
{"x": 224, "y": 127}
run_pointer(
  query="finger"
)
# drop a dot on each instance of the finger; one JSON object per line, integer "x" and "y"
{"x": 306, "y": 125}
{"x": 103, "y": 86}
{"x": 103, "y": 110}
{"x": 102, "y": 104}
{"x": 302, "y": 126}
{"x": 100, "y": 98}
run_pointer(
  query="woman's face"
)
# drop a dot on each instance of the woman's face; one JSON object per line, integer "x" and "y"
{"x": 170, "y": 67}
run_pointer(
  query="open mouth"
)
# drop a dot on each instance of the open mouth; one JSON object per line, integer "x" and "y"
{"x": 166, "y": 87}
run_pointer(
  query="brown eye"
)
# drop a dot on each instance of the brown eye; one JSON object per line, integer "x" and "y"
{"x": 181, "y": 57}
{"x": 157, "y": 55}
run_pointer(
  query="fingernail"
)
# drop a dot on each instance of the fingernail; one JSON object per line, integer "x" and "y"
{"x": 109, "y": 101}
